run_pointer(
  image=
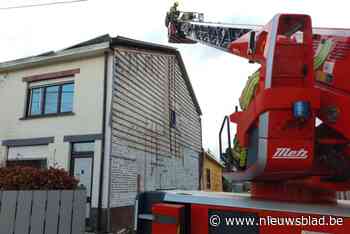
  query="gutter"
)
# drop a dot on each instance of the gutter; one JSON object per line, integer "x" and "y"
{"x": 103, "y": 141}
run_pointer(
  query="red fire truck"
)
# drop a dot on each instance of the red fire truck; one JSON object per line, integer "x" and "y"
{"x": 292, "y": 139}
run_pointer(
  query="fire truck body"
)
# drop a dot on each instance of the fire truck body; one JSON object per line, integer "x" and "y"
{"x": 194, "y": 212}
{"x": 292, "y": 134}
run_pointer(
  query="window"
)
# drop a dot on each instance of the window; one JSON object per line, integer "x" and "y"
{"x": 36, "y": 97}
{"x": 49, "y": 100}
{"x": 67, "y": 98}
{"x": 172, "y": 119}
{"x": 208, "y": 179}
{"x": 36, "y": 163}
{"x": 83, "y": 147}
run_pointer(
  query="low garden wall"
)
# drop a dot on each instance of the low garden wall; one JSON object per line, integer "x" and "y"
{"x": 40, "y": 201}
{"x": 43, "y": 212}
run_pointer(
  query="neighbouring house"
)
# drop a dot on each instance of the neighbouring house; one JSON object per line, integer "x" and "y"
{"x": 118, "y": 113}
{"x": 212, "y": 168}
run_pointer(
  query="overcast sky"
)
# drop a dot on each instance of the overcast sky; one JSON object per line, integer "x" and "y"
{"x": 217, "y": 77}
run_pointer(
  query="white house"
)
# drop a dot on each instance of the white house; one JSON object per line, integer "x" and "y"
{"x": 120, "y": 114}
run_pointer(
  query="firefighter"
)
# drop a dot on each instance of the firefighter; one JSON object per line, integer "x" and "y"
{"x": 172, "y": 15}
{"x": 174, "y": 12}
{"x": 236, "y": 157}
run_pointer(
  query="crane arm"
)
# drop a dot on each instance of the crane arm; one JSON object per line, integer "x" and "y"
{"x": 303, "y": 76}
{"x": 190, "y": 27}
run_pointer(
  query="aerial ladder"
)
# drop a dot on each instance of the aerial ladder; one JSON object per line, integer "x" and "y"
{"x": 293, "y": 129}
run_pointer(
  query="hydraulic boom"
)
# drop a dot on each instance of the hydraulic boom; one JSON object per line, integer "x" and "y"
{"x": 293, "y": 128}
{"x": 292, "y": 138}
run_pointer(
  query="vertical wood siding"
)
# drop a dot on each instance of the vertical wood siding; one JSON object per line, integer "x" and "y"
{"x": 146, "y": 87}
{"x": 39, "y": 212}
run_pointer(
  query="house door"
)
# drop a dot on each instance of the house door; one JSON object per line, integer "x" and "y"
{"x": 82, "y": 169}
{"x": 83, "y": 172}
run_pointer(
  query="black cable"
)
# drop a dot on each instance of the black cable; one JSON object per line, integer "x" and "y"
{"x": 41, "y": 4}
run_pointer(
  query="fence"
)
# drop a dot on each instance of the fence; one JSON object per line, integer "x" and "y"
{"x": 42, "y": 212}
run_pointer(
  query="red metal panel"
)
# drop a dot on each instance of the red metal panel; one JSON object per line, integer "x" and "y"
{"x": 167, "y": 218}
{"x": 200, "y": 221}
{"x": 279, "y": 161}
{"x": 270, "y": 99}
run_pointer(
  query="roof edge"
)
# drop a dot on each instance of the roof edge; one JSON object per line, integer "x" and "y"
{"x": 213, "y": 158}
{"x": 103, "y": 43}
{"x": 128, "y": 42}
{"x": 125, "y": 41}
{"x": 74, "y": 53}
{"x": 188, "y": 82}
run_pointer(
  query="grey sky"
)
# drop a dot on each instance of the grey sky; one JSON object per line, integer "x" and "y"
{"x": 217, "y": 77}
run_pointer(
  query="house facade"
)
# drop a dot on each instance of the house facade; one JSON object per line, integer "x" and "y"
{"x": 211, "y": 178}
{"x": 119, "y": 114}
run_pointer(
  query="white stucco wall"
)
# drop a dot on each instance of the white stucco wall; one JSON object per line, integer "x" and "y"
{"x": 87, "y": 118}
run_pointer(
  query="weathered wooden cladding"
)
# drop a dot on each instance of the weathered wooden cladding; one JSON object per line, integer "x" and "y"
{"x": 147, "y": 86}
{"x": 138, "y": 126}
{"x": 145, "y": 148}
{"x": 138, "y": 122}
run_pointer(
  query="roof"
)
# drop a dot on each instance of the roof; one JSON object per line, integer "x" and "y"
{"x": 212, "y": 158}
{"x": 92, "y": 47}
